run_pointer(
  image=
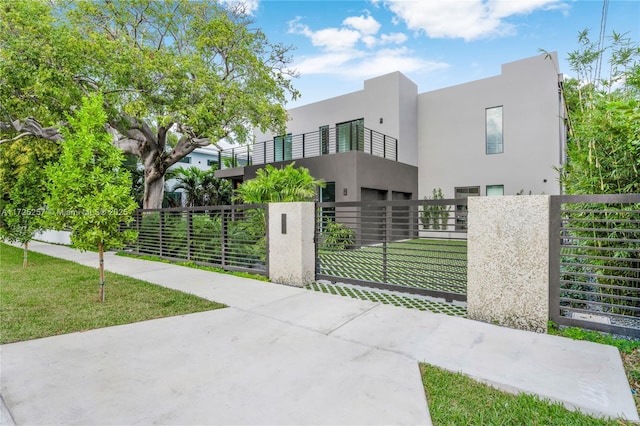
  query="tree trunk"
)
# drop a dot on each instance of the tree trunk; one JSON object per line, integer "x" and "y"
{"x": 101, "y": 257}
{"x": 25, "y": 253}
{"x": 153, "y": 193}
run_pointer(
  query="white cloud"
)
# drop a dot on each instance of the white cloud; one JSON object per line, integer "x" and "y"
{"x": 385, "y": 61}
{"x": 466, "y": 19}
{"x": 354, "y": 50}
{"x": 393, "y": 38}
{"x": 360, "y": 65}
{"x": 367, "y": 25}
{"x": 332, "y": 39}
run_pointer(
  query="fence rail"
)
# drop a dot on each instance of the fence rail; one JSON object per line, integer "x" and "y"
{"x": 409, "y": 246}
{"x": 230, "y": 237}
{"x": 307, "y": 145}
{"x": 595, "y": 262}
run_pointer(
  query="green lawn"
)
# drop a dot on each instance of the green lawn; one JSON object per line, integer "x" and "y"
{"x": 54, "y": 296}
{"x": 423, "y": 263}
{"x": 455, "y": 399}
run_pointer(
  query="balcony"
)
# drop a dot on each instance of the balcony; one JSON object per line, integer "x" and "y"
{"x": 314, "y": 144}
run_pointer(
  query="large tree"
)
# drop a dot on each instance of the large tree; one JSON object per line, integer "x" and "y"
{"x": 175, "y": 75}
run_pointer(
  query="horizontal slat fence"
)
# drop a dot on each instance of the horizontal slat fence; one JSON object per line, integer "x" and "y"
{"x": 230, "y": 237}
{"x": 409, "y": 246}
{"x": 595, "y": 262}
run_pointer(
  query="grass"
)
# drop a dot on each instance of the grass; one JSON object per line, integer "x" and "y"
{"x": 195, "y": 266}
{"x": 54, "y": 296}
{"x": 423, "y": 263}
{"x": 388, "y": 298}
{"x": 455, "y": 399}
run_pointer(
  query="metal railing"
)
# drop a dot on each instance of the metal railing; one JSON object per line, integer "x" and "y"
{"x": 409, "y": 246}
{"x": 307, "y": 145}
{"x": 595, "y": 262}
{"x": 230, "y": 237}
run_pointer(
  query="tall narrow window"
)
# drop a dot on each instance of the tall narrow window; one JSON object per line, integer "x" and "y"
{"x": 493, "y": 190}
{"x": 328, "y": 195}
{"x": 324, "y": 140}
{"x": 282, "y": 148}
{"x": 494, "y": 130}
{"x": 350, "y": 135}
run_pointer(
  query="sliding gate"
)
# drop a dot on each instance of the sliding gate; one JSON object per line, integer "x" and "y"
{"x": 415, "y": 246}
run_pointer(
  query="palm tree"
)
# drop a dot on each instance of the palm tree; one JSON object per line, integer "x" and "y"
{"x": 273, "y": 185}
{"x": 202, "y": 188}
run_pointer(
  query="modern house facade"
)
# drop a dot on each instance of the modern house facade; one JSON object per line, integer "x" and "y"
{"x": 501, "y": 135}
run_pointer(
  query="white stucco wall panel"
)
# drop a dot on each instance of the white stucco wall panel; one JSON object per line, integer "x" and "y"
{"x": 292, "y": 254}
{"x": 391, "y": 97}
{"x": 508, "y": 261}
{"x": 452, "y": 148}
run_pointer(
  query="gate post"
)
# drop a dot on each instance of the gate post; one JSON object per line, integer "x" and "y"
{"x": 508, "y": 261}
{"x": 291, "y": 243}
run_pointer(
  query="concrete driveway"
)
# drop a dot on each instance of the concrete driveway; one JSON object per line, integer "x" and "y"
{"x": 284, "y": 355}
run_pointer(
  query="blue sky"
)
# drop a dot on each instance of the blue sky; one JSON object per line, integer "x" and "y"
{"x": 436, "y": 43}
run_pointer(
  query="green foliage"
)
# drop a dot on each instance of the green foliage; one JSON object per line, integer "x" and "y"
{"x": 336, "y": 236}
{"x": 603, "y": 147}
{"x": 244, "y": 239}
{"x": 272, "y": 185}
{"x": 435, "y": 216}
{"x": 175, "y": 74}
{"x": 202, "y": 188}
{"x": 575, "y": 333}
{"x": 89, "y": 187}
{"x": 23, "y": 188}
{"x": 603, "y": 157}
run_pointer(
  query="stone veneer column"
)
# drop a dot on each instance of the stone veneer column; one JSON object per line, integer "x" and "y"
{"x": 291, "y": 246}
{"x": 508, "y": 261}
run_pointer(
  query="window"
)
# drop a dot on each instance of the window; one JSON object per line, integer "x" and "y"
{"x": 328, "y": 195}
{"x": 494, "y": 130}
{"x": 185, "y": 160}
{"x": 324, "y": 140}
{"x": 350, "y": 135}
{"x": 493, "y": 190}
{"x": 282, "y": 147}
{"x": 461, "y": 210}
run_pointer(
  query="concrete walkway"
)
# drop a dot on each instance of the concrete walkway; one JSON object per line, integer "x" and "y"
{"x": 284, "y": 355}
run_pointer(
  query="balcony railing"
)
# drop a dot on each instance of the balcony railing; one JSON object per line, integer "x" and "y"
{"x": 307, "y": 145}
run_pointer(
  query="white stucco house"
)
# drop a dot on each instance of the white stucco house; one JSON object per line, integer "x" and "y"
{"x": 499, "y": 135}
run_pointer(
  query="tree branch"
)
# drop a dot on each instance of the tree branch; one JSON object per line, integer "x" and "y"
{"x": 31, "y": 127}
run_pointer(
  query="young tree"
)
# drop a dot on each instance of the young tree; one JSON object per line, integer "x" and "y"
{"x": 175, "y": 75}
{"x": 90, "y": 190}
{"x": 23, "y": 190}
{"x": 272, "y": 185}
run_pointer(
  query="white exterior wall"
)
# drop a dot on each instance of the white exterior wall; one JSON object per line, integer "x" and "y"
{"x": 392, "y": 97}
{"x": 452, "y": 151}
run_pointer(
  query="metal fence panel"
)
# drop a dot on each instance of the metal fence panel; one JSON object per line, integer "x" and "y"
{"x": 410, "y": 246}
{"x": 595, "y": 262}
{"x": 229, "y": 237}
